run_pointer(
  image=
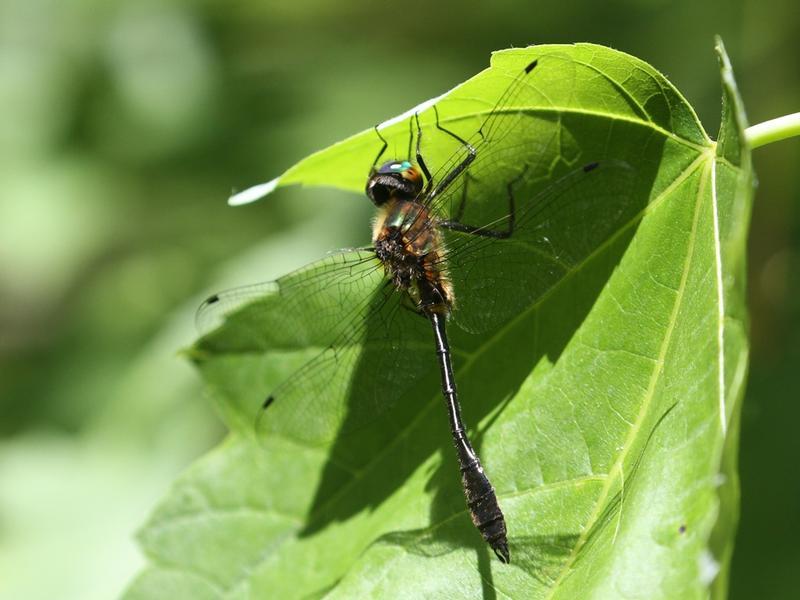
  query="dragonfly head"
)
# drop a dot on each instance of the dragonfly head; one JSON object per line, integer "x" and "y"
{"x": 395, "y": 179}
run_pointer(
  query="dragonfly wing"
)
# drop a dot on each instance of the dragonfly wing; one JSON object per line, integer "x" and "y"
{"x": 275, "y": 314}
{"x": 350, "y": 384}
{"x": 515, "y": 135}
{"x": 341, "y": 307}
{"x": 557, "y": 228}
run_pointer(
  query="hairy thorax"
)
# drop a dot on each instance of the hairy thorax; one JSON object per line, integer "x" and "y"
{"x": 410, "y": 246}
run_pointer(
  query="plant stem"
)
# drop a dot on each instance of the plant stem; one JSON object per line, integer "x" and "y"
{"x": 773, "y": 131}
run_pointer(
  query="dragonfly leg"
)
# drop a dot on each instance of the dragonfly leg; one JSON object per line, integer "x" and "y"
{"x": 485, "y": 231}
{"x": 413, "y": 309}
{"x": 454, "y": 173}
{"x": 421, "y": 161}
{"x": 452, "y": 134}
{"x": 410, "y": 137}
{"x": 459, "y": 214}
{"x": 381, "y": 151}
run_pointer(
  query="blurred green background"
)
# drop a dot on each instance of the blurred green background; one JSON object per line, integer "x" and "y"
{"x": 126, "y": 124}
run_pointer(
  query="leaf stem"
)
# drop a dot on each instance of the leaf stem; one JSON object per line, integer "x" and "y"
{"x": 773, "y": 130}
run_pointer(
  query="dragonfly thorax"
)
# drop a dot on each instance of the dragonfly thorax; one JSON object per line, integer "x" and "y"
{"x": 409, "y": 245}
{"x": 394, "y": 180}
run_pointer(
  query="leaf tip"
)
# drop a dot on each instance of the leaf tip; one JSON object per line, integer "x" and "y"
{"x": 722, "y": 54}
{"x": 254, "y": 193}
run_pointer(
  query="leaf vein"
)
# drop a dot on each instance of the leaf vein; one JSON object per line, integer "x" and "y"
{"x": 645, "y": 406}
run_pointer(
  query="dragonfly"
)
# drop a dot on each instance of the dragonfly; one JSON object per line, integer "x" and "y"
{"x": 450, "y": 247}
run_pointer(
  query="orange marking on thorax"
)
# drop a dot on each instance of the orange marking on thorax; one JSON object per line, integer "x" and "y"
{"x": 422, "y": 249}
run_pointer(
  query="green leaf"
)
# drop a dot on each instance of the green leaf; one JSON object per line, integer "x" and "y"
{"x": 605, "y": 409}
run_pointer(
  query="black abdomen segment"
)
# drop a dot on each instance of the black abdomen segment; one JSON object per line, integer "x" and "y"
{"x": 481, "y": 499}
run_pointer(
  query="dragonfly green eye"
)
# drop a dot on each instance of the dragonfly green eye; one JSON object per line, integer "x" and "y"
{"x": 395, "y": 166}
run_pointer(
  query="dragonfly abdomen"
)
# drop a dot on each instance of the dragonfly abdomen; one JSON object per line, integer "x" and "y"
{"x": 480, "y": 495}
{"x": 484, "y": 508}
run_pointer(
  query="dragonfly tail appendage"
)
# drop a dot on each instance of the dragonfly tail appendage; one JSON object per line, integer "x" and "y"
{"x": 485, "y": 510}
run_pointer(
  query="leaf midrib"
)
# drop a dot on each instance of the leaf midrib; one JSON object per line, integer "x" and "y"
{"x": 633, "y": 432}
